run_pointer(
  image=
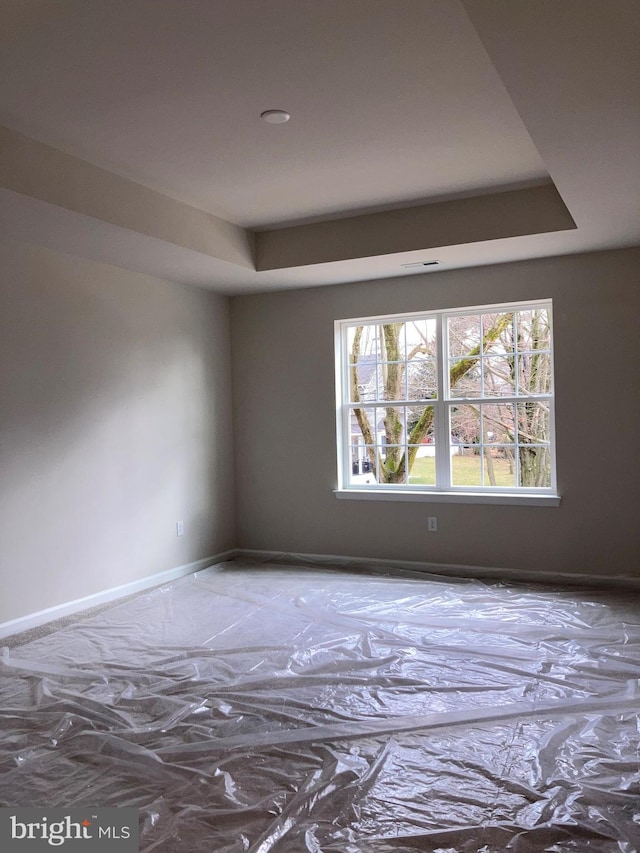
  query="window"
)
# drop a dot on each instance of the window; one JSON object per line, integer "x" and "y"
{"x": 448, "y": 403}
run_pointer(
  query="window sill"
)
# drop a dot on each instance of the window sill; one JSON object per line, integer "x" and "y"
{"x": 506, "y": 499}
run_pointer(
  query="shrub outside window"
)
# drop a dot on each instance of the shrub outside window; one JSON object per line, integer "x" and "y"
{"x": 447, "y": 401}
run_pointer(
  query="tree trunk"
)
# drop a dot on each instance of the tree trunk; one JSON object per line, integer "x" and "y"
{"x": 490, "y": 469}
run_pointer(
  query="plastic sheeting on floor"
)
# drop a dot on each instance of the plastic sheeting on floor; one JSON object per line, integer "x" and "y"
{"x": 274, "y": 709}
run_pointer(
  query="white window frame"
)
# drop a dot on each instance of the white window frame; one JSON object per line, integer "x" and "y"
{"x": 444, "y": 491}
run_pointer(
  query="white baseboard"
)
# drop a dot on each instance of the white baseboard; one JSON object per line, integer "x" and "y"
{"x": 34, "y": 620}
{"x": 452, "y": 570}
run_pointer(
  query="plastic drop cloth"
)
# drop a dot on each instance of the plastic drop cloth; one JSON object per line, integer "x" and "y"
{"x": 274, "y": 709}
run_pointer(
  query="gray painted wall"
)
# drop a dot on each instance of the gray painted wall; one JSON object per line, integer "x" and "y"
{"x": 114, "y": 423}
{"x": 284, "y": 420}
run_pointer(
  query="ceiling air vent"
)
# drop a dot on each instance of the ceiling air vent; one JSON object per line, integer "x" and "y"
{"x": 420, "y": 265}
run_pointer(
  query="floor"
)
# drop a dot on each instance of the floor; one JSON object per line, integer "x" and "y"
{"x": 283, "y": 709}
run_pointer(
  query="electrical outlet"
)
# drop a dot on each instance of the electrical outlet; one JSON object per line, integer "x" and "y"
{"x": 179, "y": 528}
{"x": 432, "y": 524}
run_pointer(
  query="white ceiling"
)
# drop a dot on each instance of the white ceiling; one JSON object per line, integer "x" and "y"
{"x": 393, "y": 103}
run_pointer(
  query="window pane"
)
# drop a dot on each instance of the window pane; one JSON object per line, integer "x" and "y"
{"x": 498, "y": 426}
{"x": 464, "y": 335}
{"x": 362, "y": 468}
{"x": 499, "y": 376}
{"x": 392, "y": 342}
{"x": 422, "y": 471}
{"x": 393, "y": 468}
{"x": 362, "y": 426}
{"x": 365, "y": 381}
{"x": 465, "y": 378}
{"x": 362, "y": 340}
{"x": 499, "y": 467}
{"x": 466, "y": 467}
{"x": 421, "y": 339}
{"x": 497, "y": 332}
{"x": 534, "y": 373}
{"x": 420, "y": 424}
{"x": 535, "y": 466}
{"x": 533, "y": 329}
{"x": 422, "y": 379}
{"x": 533, "y": 423}
{"x": 392, "y": 381}
{"x": 390, "y": 425}
{"x": 464, "y": 425}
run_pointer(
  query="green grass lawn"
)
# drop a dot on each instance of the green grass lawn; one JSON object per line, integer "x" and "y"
{"x": 466, "y": 471}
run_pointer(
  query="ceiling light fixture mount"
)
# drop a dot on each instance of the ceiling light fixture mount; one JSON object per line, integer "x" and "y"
{"x": 275, "y": 116}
